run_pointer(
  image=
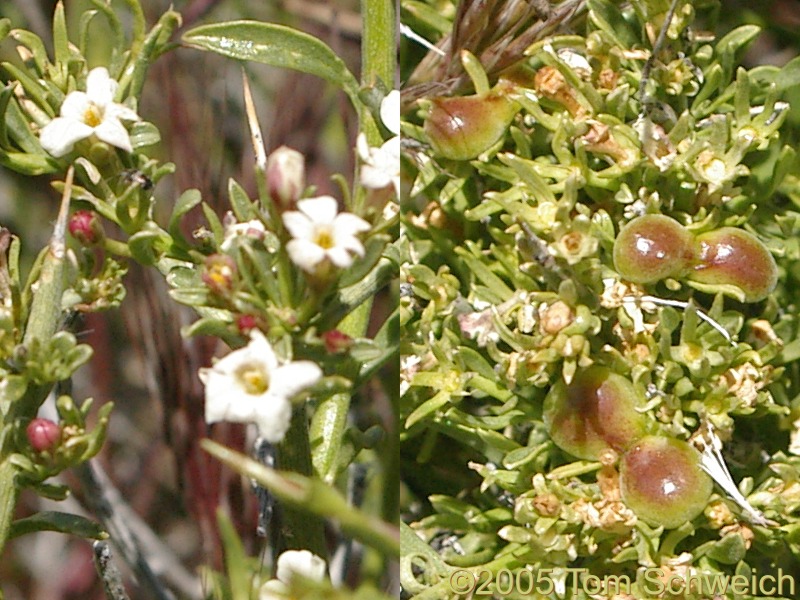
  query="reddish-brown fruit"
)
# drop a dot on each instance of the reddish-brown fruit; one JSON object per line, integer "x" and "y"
{"x": 461, "y": 127}
{"x": 594, "y": 413}
{"x": 652, "y": 247}
{"x": 735, "y": 257}
{"x": 662, "y": 482}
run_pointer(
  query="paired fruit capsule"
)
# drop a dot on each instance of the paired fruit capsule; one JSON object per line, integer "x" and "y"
{"x": 653, "y": 247}
{"x": 660, "y": 478}
{"x": 661, "y": 481}
{"x": 596, "y": 412}
{"x": 462, "y": 127}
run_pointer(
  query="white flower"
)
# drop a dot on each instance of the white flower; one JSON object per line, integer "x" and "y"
{"x": 320, "y": 233}
{"x": 251, "y": 229}
{"x": 92, "y": 112}
{"x": 249, "y": 385}
{"x": 381, "y": 166}
{"x": 291, "y": 563}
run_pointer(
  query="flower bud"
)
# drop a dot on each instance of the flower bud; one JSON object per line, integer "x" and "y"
{"x": 219, "y": 273}
{"x": 43, "y": 434}
{"x": 336, "y": 341}
{"x": 246, "y": 323}
{"x": 285, "y": 176}
{"x": 85, "y": 226}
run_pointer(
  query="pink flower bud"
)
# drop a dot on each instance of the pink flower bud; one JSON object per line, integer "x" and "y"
{"x": 85, "y": 226}
{"x": 246, "y": 323}
{"x": 336, "y": 341}
{"x": 43, "y": 434}
{"x": 285, "y": 176}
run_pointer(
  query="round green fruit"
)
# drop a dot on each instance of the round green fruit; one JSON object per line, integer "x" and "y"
{"x": 652, "y": 247}
{"x": 594, "y": 413}
{"x": 662, "y": 482}
{"x": 735, "y": 257}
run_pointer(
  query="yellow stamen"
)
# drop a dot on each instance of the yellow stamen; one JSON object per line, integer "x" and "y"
{"x": 324, "y": 238}
{"x": 254, "y": 379}
{"x": 92, "y": 116}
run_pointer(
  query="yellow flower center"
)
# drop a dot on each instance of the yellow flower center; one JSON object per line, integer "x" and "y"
{"x": 93, "y": 116}
{"x": 254, "y": 379}
{"x": 324, "y": 238}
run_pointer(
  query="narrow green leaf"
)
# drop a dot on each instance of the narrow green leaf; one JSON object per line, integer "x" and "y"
{"x": 60, "y": 38}
{"x": 350, "y": 297}
{"x": 185, "y": 202}
{"x": 235, "y": 558}
{"x": 275, "y": 45}
{"x": 33, "y": 43}
{"x": 609, "y": 18}
{"x": 214, "y": 223}
{"x": 60, "y": 522}
{"x": 241, "y": 203}
{"x": 144, "y": 134}
{"x": 789, "y": 75}
{"x": 28, "y": 164}
{"x": 430, "y": 406}
{"x": 313, "y": 496}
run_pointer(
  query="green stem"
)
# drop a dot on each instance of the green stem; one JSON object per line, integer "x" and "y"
{"x": 299, "y": 529}
{"x": 8, "y": 500}
{"x": 116, "y": 247}
{"x": 378, "y": 48}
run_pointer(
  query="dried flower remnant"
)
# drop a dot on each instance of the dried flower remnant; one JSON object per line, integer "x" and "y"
{"x": 219, "y": 274}
{"x": 550, "y": 83}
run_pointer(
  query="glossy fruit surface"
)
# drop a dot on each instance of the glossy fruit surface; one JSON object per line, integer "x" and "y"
{"x": 462, "y": 127}
{"x": 735, "y": 257}
{"x": 652, "y": 247}
{"x": 594, "y": 413}
{"x": 662, "y": 482}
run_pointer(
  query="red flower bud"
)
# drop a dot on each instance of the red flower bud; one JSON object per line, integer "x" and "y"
{"x": 85, "y": 226}
{"x": 336, "y": 341}
{"x": 43, "y": 434}
{"x": 246, "y": 323}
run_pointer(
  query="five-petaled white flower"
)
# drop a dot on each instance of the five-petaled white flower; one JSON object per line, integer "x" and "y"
{"x": 88, "y": 113}
{"x": 249, "y": 385}
{"x": 292, "y": 563}
{"x": 319, "y": 233}
{"x": 381, "y": 166}
{"x": 235, "y": 231}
